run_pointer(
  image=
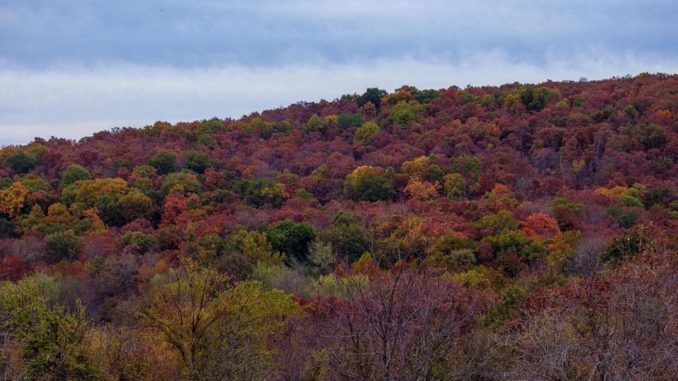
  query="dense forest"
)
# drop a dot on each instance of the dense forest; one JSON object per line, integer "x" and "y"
{"x": 520, "y": 232}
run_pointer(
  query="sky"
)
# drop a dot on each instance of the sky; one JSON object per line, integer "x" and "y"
{"x": 69, "y": 68}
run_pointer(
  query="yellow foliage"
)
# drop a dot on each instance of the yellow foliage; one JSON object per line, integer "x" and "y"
{"x": 13, "y": 199}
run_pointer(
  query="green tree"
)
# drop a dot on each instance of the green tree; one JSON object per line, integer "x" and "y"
{"x": 366, "y": 131}
{"x": 182, "y": 182}
{"x": 314, "y": 123}
{"x": 73, "y": 173}
{"x": 349, "y": 120}
{"x": 292, "y": 239}
{"x": 372, "y": 95}
{"x": 258, "y": 192}
{"x": 63, "y": 246}
{"x": 53, "y": 341}
{"x": 368, "y": 183}
{"x": 219, "y": 331}
{"x": 197, "y": 161}
{"x": 164, "y": 162}
{"x": 21, "y": 162}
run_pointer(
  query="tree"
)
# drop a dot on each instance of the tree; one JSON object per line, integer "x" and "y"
{"x": 135, "y": 205}
{"x": 181, "y": 182}
{"x": 366, "y": 131}
{"x": 258, "y": 192}
{"x": 349, "y": 120}
{"x": 292, "y": 239}
{"x": 372, "y": 95}
{"x": 13, "y": 199}
{"x": 73, "y": 173}
{"x": 396, "y": 326}
{"x": 197, "y": 162}
{"x": 314, "y": 124}
{"x": 63, "y": 246}
{"x": 52, "y": 341}
{"x": 164, "y": 162}
{"x": 348, "y": 235}
{"x": 218, "y": 331}
{"x": 368, "y": 183}
{"x": 21, "y": 162}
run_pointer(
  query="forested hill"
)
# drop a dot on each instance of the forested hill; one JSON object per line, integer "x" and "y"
{"x": 512, "y": 232}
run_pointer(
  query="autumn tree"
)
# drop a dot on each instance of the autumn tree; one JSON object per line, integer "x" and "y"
{"x": 218, "y": 331}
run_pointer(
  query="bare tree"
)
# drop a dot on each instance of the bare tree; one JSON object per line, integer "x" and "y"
{"x": 396, "y": 325}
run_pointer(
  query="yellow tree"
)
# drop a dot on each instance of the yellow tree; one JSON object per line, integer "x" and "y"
{"x": 219, "y": 331}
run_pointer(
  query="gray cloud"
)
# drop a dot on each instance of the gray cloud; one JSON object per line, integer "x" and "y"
{"x": 41, "y": 34}
{"x": 70, "y": 67}
{"x": 75, "y": 102}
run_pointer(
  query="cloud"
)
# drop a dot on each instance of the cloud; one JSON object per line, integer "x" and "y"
{"x": 74, "y": 102}
{"x": 269, "y": 33}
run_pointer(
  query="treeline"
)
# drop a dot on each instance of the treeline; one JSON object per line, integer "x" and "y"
{"x": 521, "y": 232}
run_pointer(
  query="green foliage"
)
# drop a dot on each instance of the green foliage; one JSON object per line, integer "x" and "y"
{"x": 603, "y": 114}
{"x": 314, "y": 124}
{"x": 63, "y": 246}
{"x": 368, "y": 184}
{"x": 651, "y": 135}
{"x": 425, "y": 96}
{"x": 366, "y": 131}
{"x": 513, "y": 249}
{"x": 258, "y": 192}
{"x": 197, "y": 162}
{"x": 452, "y": 253}
{"x": 467, "y": 165}
{"x": 511, "y": 299}
{"x": 292, "y": 239}
{"x": 211, "y": 126}
{"x": 52, "y": 341}
{"x": 501, "y": 221}
{"x": 635, "y": 241}
{"x": 349, "y": 120}
{"x": 164, "y": 162}
{"x": 135, "y": 204}
{"x": 535, "y": 98}
{"x": 404, "y": 112}
{"x": 625, "y": 217}
{"x": 372, "y": 95}
{"x": 348, "y": 236}
{"x": 21, "y": 162}
{"x": 140, "y": 242}
{"x": 73, "y": 173}
{"x": 655, "y": 196}
{"x": 217, "y": 331}
{"x": 181, "y": 182}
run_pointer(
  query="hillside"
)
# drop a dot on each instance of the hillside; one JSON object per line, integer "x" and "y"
{"x": 487, "y": 233}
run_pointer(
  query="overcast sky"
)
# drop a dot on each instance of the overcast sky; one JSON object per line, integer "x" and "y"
{"x": 72, "y": 67}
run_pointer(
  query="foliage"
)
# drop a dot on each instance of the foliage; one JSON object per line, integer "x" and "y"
{"x": 292, "y": 239}
{"x": 164, "y": 162}
{"x": 366, "y": 131}
{"x": 368, "y": 184}
{"x": 63, "y": 246}
{"x": 73, "y": 173}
